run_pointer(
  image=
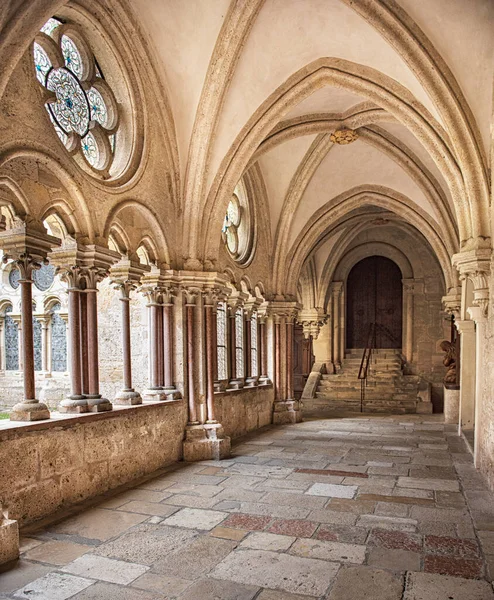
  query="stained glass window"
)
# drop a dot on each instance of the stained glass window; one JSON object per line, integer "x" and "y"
{"x": 11, "y": 332}
{"x": 58, "y": 341}
{"x": 38, "y": 344}
{"x": 81, "y": 100}
{"x": 253, "y": 346}
{"x": 14, "y": 277}
{"x": 44, "y": 277}
{"x": 239, "y": 342}
{"x": 221, "y": 325}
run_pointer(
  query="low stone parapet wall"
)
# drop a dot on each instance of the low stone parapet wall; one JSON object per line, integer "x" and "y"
{"x": 241, "y": 411}
{"x": 49, "y": 465}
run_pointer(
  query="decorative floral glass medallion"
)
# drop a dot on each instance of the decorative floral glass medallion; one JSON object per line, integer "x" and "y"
{"x": 44, "y": 277}
{"x": 14, "y": 277}
{"x": 82, "y": 108}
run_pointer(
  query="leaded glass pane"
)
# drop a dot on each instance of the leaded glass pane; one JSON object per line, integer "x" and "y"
{"x": 90, "y": 149}
{"x": 38, "y": 345}
{"x": 233, "y": 211}
{"x": 221, "y": 324}
{"x": 239, "y": 342}
{"x": 63, "y": 138}
{"x": 71, "y": 111}
{"x": 42, "y": 63}
{"x": 14, "y": 277}
{"x": 11, "y": 332}
{"x": 58, "y": 341}
{"x": 99, "y": 112}
{"x": 44, "y": 277}
{"x": 231, "y": 239}
{"x": 50, "y": 26}
{"x": 253, "y": 345}
{"x": 72, "y": 56}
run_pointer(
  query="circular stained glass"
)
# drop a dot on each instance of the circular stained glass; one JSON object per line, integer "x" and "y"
{"x": 44, "y": 277}
{"x": 71, "y": 111}
{"x": 231, "y": 240}
{"x": 14, "y": 277}
{"x": 99, "y": 112}
{"x": 71, "y": 56}
{"x": 233, "y": 211}
{"x": 90, "y": 150}
{"x": 50, "y": 26}
{"x": 42, "y": 63}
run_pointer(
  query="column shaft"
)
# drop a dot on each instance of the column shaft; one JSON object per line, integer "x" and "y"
{"x": 127, "y": 358}
{"x": 83, "y": 348}
{"x": 233, "y": 345}
{"x": 27, "y": 338}
{"x": 75, "y": 343}
{"x": 168, "y": 345}
{"x": 154, "y": 355}
{"x": 248, "y": 348}
{"x": 191, "y": 363}
{"x": 210, "y": 376}
{"x": 264, "y": 354}
{"x": 92, "y": 338}
{"x": 289, "y": 359}
{"x": 277, "y": 359}
{"x": 160, "y": 342}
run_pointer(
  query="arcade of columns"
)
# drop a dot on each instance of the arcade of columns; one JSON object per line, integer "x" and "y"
{"x": 172, "y": 297}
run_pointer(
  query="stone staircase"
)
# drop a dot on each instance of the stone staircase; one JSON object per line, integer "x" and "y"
{"x": 388, "y": 390}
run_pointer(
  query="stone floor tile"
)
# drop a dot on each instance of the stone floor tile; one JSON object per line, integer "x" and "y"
{"x": 332, "y": 516}
{"x": 110, "y": 591}
{"x": 391, "y": 509}
{"x": 169, "y": 586}
{"x": 440, "y": 515}
{"x": 291, "y": 499}
{"x": 190, "y": 489}
{"x": 285, "y": 484}
{"x": 211, "y": 470}
{"x": 196, "y": 518}
{"x": 267, "y": 541}
{"x": 363, "y": 582}
{"x": 214, "y": 589}
{"x": 310, "y": 477}
{"x": 98, "y": 524}
{"x": 425, "y": 586}
{"x": 27, "y": 543}
{"x": 258, "y": 470}
{"x": 228, "y": 533}
{"x": 242, "y": 481}
{"x": 246, "y": 521}
{"x": 437, "y": 528}
{"x": 148, "y": 508}
{"x": 53, "y": 586}
{"x": 135, "y": 494}
{"x": 394, "y": 523}
{"x": 292, "y": 574}
{"x": 20, "y": 574}
{"x": 332, "y": 491}
{"x": 451, "y": 565}
{"x": 272, "y": 510}
{"x": 356, "y": 506}
{"x": 57, "y": 552}
{"x": 376, "y": 463}
{"x": 487, "y": 541}
{"x": 434, "y": 544}
{"x": 332, "y": 551}
{"x": 296, "y": 528}
{"x": 189, "y": 501}
{"x": 146, "y": 543}
{"x": 228, "y": 505}
{"x": 341, "y": 533}
{"x": 276, "y": 595}
{"x": 413, "y": 493}
{"x": 480, "y": 501}
{"x": 396, "y": 540}
{"x": 241, "y": 495}
{"x": 441, "y": 485}
{"x": 106, "y": 569}
{"x": 394, "y": 560}
{"x": 450, "y": 500}
{"x": 396, "y": 499}
{"x": 195, "y": 558}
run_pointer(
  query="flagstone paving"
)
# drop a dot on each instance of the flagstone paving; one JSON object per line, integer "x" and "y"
{"x": 390, "y": 508}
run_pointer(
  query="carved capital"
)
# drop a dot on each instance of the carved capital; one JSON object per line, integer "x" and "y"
{"x": 475, "y": 265}
{"x": 26, "y": 265}
{"x": 124, "y": 287}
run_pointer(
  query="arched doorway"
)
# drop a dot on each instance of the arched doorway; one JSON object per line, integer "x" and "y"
{"x": 374, "y": 295}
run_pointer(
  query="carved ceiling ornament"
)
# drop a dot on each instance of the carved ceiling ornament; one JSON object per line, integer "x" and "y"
{"x": 344, "y": 136}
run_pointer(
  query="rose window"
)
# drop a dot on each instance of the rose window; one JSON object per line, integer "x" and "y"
{"x": 231, "y": 224}
{"x": 80, "y": 104}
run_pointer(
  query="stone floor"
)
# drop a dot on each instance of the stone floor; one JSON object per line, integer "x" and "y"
{"x": 386, "y": 507}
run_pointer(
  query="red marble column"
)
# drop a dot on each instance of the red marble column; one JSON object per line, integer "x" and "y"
{"x": 289, "y": 358}
{"x": 232, "y": 342}
{"x": 277, "y": 356}
{"x": 210, "y": 361}
{"x": 168, "y": 345}
{"x": 154, "y": 307}
{"x": 160, "y": 346}
{"x": 190, "y": 310}
{"x": 263, "y": 347}
{"x": 127, "y": 358}
{"x": 27, "y": 337}
{"x": 75, "y": 344}
{"x": 83, "y": 346}
{"x": 248, "y": 344}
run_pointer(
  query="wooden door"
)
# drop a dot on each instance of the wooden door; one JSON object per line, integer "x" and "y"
{"x": 374, "y": 295}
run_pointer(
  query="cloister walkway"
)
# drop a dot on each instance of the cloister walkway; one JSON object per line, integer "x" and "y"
{"x": 381, "y": 507}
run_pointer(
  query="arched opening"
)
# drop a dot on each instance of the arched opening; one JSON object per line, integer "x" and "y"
{"x": 374, "y": 295}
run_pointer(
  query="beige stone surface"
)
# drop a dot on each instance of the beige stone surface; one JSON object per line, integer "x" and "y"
{"x": 99, "y": 524}
{"x": 57, "y": 552}
{"x": 374, "y": 584}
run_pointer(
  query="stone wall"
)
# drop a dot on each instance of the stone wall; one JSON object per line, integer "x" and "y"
{"x": 51, "y": 465}
{"x": 241, "y": 411}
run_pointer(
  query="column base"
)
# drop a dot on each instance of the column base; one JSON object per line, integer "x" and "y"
{"x": 451, "y": 405}
{"x": 264, "y": 380}
{"x": 127, "y": 398}
{"x": 236, "y": 384}
{"x": 161, "y": 394}
{"x": 29, "y": 410}
{"x": 205, "y": 442}
{"x": 287, "y": 411}
{"x": 73, "y": 405}
{"x": 220, "y": 386}
{"x": 9, "y": 541}
{"x": 251, "y": 382}
{"x": 98, "y": 404}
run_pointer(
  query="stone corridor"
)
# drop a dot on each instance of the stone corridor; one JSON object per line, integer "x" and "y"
{"x": 387, "y": 507}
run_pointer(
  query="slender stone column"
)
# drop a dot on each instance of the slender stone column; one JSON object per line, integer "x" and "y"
{"x": 209, "y": 302}
{"x": 190, "y": 307}
{"x": 336, "y": 290}
{"x": 289, "y": 357}
{"x": 83, "y": 349}
{"x": 264, "y": 378}
{"x": 155, "y": 390}
{"x": 94, "y": 399}
{"x": 17, "y": 319}
{"x": 248, "y": 344}
{"x": 478, "y": 315}
{"x": 76, "y": 400}
{"x": 45, "y": 345}
{"x": 237, "y": 381}
{"x": 408, "y": 302}
{"x": 467, "y": 375}
{"x": 128, "y": 396}
{"x": 277, "y": 357}
{"x": 2, "y": 345}
{"x": 29, "y": 409}
{"x": 160, "y": 345}
{"x": 168, "y": 294}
